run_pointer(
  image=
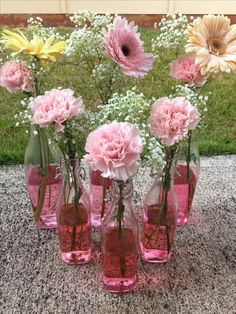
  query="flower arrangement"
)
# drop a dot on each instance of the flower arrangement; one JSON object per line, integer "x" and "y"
{"x": 170, "y": 121}
{"x": 120, "y": 123}
{"x": 26, "y": 68}
{"x": 209, "y": 44}
{"x": 115, "y": 149}
{"x": 58, "y": 108}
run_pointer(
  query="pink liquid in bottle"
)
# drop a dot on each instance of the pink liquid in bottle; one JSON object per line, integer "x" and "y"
{"x": 157, "y": 238}
{"x": 74, "y": 232}
{"x": 119, "y": 261}
{"x": 53, "y": 184}
{"x": 185, "y": 190}
{"x": 98, "y": 189}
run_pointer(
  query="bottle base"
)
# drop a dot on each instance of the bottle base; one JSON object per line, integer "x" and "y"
{"x": 119, "y": 285}
{"x": 96, "y": 221}
{"x": 182, "y": 219}
{"x": 47, "y": 222}
{"x": 76, "y": 257}
{"x": 154, "y": 256}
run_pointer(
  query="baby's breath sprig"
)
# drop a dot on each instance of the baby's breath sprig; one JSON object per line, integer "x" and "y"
{"x": 171, "y": 33}
{"x": 36, "y": 26}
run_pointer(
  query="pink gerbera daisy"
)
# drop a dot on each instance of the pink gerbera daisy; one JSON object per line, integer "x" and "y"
{"x": 213, "y": 40}
{"x": 124, "y": 46}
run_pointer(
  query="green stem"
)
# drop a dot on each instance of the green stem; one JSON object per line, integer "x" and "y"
{"x": 36, "y": 81}
{"x": 170, "y": 153}
{"x": 41, "y": 194}
{"x": 203, "y": 87}
{"x": 73, "y": 238}
{"x": 77, "y": 205}
{"x": 89, "y": 67}
{"x": 72, "y": 153}
{"x": 122, "y": 266}
{"x": 71, "y": 170}
{"x": 44, "y": 156}
{"x": 44, "y": 165}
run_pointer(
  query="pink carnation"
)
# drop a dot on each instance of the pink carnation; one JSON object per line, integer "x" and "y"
{"x": 15, "y": 76}
{"x": 56, "y": 106}
{"x": 185, "y": 69}
{"x": 124, "y": 46}
{"x": 171, "y": 119}
{"x": 114, "y": 149}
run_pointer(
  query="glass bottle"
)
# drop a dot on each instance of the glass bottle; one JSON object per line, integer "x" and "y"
{"x": 120, "y": 241}
{"x": 99, "y": 187}
{"x": 73, "y": 216}
{"x": 159, "y": 217}
{"x": 42, "y": 162}
{"x": 186, "y": 177}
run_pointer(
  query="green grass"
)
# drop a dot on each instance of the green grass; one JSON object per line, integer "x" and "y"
{"x": 219, "y": 136}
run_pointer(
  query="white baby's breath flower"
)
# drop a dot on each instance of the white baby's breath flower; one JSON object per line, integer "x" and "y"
{"x": 36, "y": 26}
{"x": 171, "y": 33}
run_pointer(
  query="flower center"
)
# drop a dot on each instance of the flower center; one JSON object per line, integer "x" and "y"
{"x": 125, "y": 50}
{"x": 216, "y": 46}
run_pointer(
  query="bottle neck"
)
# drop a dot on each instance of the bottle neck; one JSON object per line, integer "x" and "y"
{"x": 188, "y": 149}
{"x": 71, "y": 172}
{"x": 122, "y": 190}
{"x": 121, "y": 205}
{"x": 167, "y": 177}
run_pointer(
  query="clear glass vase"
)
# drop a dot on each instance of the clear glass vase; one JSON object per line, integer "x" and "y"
{"x": 100, "y": 204}
{"x": 120, "y": 241}
{"x": 73, "y": 216}
{"x": 186, "y": 178}
{"x": 159, "y": 217}
{"x": 42, "y": 163}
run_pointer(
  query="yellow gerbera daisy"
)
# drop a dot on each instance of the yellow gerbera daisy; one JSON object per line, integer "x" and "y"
{"x": 44, "y": 51}
{"x": 213, "y": 41}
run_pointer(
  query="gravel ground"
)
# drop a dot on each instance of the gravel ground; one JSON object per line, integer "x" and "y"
{"x": 199, "y": 278}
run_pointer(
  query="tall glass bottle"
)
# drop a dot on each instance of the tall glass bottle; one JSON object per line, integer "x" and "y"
{"x": 120, "y": 241}
{"x": 186, "y": 178}
{"x": 42, "y": 162}
{"x": 159, "y": 216}
{"x": 100, "y": 205}
{"x": 73, "y": 217}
